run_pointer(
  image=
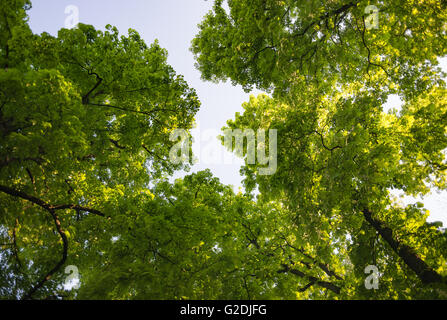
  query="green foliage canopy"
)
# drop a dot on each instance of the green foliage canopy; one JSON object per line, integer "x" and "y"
{"x": 85, "y": 120}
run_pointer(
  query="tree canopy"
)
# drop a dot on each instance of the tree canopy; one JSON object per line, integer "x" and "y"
{"x": 85, "y": 123}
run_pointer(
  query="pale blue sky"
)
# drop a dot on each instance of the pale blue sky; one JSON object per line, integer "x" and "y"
{"x": 174, "y": 24}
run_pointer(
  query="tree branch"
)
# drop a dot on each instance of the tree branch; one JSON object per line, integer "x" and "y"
{"x": 43, "y": 204}
{"x": 406, "y": 253}
{"x": 322, "y": 142}
{"x": 342, "y": 9}
{"x": 85, "y": 98}
{"x": 313, "y": 280}
{"x": 61, "y": 261}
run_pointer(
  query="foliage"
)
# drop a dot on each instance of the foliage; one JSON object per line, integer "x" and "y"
{"x": 339, "y": 154}
{"x": 85, "y": 122}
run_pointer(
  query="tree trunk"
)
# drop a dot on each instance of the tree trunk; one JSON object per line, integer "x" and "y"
{"x": 406, "y": 253}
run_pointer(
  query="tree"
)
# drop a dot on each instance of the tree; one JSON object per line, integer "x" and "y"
{"x": 85, "y": 119}
{"x": 85, "y": 125}
{"x": 276, "y": 45}
{"x": 197, "y": 239}
{"x": 336, "y": 167}
{"x": 339, "y": 154}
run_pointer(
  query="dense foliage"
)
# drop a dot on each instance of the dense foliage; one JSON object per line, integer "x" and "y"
{"x": 85, "y": 124}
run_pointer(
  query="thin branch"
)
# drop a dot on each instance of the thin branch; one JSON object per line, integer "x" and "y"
{"x": 321, "y": 265}
{"x": 246, "y": 288}
{"x": 14, "y": 242}
{"x": 322, "y": 142}
{"x": 85, "y": 98}
{"x": 369, "y": 52}
{"x": 148, "y": 113}
{"x": 324, "y": 284}
{"x": 43, "y": 204}
{"x": 52, "y": 210}
{"x": 116, "y": 144}
{"x": 77, "y": 207}
{"x": 310, "y": 284}
{"x": 61, "y": 261}
{"x": 324, "y": 17}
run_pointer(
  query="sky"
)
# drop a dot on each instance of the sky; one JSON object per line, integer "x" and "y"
{"x": 174, "y": 24}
